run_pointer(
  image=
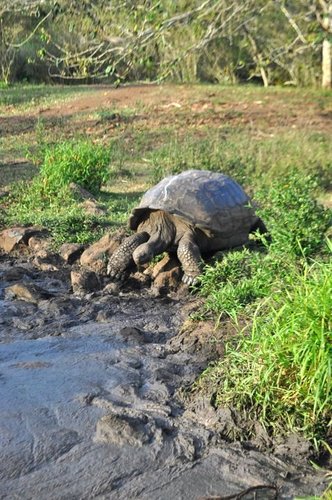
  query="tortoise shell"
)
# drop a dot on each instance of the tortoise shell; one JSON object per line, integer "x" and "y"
{"x": 208, "y": 200}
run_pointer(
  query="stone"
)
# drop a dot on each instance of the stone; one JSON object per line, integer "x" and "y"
{"x": 11, "y": 238}
{"x": 134, "y": 334}
{"x": 71, "y": 252}
{"x": 96, "y": 256}
{"x": 166, "y": 275}
{"x": 84, "y": 281}
{"x": 80, "y": 193}
{"x": 91, "y": 207}
{"x": 125, "y": 430}
{"x": 28, "y": 292}
{"x": 48, "y": 261}
{"x": 16, "y": 273}
{"x": 39, "y": 243}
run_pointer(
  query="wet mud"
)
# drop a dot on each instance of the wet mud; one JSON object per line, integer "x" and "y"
{"x": 90, "y": 407}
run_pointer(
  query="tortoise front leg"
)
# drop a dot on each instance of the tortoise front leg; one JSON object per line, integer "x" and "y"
{"x": 190, "y": 257}
{"x": 122, "y": 258}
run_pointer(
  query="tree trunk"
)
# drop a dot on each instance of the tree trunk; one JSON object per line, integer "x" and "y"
{"x": 327, "y": 49}
{"x": 257, "y": 56}
{"x": 327, "y": 65}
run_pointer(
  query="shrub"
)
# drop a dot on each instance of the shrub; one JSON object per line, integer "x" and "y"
{"x": 80, "y": 161}
{"x": 240, "y": 279}
{"x": 280, "y": 372}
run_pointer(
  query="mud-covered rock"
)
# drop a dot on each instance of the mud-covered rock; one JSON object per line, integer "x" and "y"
{"x": 133, "y": 334}
{"x": 12, "y": 238}
{"x": 39, "y": 243}
{"x": 47, "y": 260}
{"x": 27, "y": 291}
{"x": 166, "y": 275}
{"x": 97, "y": 255}
{"x": 71, "y": 252}
{"x": 125, "y": 430}
{"x": 16, "y": 273}
{"x": 84, "y": 280}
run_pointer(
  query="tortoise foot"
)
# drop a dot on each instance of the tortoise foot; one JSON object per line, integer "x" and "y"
{"x": 189, "y": 280}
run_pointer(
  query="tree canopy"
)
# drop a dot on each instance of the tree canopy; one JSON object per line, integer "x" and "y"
{"x": 271, "y": 41}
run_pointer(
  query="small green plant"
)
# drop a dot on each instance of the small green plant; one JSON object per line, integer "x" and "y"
{"x": 241, "y": 278}
{"x": 66, "y": 220}
{"x": 296, "y": 221}
{"x": 48, "y": 199}
{"x": 279, "y": 368}
{"x": 79, "y": 161}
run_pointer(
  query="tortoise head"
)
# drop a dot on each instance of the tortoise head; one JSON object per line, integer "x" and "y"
{"x": 161, "y": 230}
{"x": 143, "y": 254}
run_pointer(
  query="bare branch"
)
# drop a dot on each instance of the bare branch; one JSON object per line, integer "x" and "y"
{"x": 42, "y": 21}
{"x": 292, "y": 22}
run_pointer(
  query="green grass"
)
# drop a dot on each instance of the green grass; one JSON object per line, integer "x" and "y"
{"x": 280, "y": 371}
{"x": 48, "y": 200}
{"x": 25, "y": 96}
{"x": 250, "y": 161}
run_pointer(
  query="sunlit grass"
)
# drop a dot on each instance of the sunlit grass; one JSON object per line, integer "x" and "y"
{"x": 280, "y": 371}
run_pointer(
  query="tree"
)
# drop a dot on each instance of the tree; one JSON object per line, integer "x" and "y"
{"x": 185, "y": 40}
{"x": 324, "y": 17}
{"x": 19, "y": 21}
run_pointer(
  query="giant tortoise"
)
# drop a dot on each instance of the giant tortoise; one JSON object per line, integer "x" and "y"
{"x": 195, "y": 212}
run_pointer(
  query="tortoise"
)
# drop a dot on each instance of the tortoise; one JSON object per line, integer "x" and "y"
{"x": 193, "y": 213}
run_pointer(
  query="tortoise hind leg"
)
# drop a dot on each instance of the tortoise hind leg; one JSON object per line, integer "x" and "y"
{"x": 122, "y": 258}
{"x": 190, "y": 257}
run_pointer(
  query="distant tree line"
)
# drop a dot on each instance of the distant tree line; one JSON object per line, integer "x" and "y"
{"x": 224, "y": 41}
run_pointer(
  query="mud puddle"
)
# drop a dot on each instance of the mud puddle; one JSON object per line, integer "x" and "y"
{"x": 89, "y": 405}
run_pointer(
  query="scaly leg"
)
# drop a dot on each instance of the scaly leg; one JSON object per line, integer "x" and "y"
{"x": 122, "y": 258}
{"x": 190, "y": 257}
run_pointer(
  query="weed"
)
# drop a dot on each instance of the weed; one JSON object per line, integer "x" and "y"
{"x": 240, "y": 279}
{"x": 281, "y": 372}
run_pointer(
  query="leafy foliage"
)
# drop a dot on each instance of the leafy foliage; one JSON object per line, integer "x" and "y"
{"x": 48, "y": 199}
{"x": 296, "y": 221}
{"x": 215, "y": 41}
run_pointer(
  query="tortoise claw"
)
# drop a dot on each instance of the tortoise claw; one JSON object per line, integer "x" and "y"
{"x": 189, "y": 280}
{"x": 115, "y": 275}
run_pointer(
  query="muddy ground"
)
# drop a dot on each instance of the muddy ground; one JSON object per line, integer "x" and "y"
{"x": 90, "y": 399}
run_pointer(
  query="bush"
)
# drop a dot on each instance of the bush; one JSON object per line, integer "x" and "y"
{"x": 240, "y": 279}
{"x": 48, "y": 200}
{"x": 281, "y": 372}
{"x": 80, "y": 161}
